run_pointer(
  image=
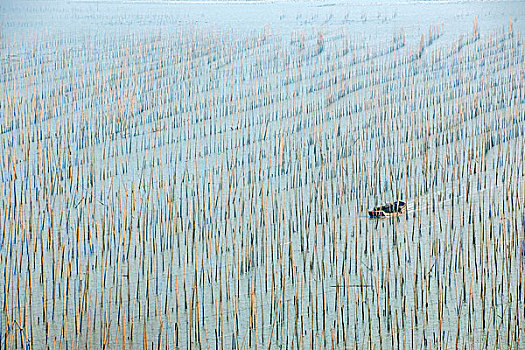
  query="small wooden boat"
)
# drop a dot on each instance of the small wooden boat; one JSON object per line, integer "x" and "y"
{"x": 389, "y": 209}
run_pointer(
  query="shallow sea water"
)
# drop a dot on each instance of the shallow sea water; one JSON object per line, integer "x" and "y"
{"x": 195, "y": 174}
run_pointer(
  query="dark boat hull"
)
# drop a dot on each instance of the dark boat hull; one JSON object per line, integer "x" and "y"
{"x": 387, "y": 210}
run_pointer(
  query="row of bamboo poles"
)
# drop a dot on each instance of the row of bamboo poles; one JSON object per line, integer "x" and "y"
{"x": 200, "y": 189}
